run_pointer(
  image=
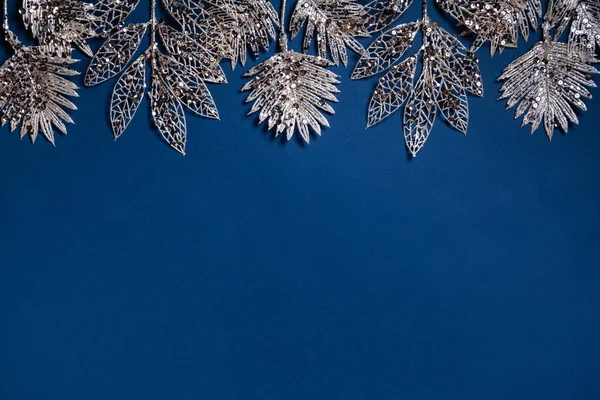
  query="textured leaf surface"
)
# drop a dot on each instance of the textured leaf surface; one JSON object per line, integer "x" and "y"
{"x": 114, "y": 55}
{"x": 334, "y": 23}
{"x": 384, "y": 12}
{"x": 127, "y": 95}
{"x": 546, "y": 84}
{"x": 291, "y": 90}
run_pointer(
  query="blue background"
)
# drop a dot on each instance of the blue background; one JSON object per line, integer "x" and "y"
{"x": 258, "y": 269}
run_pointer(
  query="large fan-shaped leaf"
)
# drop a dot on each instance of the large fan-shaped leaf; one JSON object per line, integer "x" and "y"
{"x": 33, "y": 91}
{"x": 290, "y": 90}
{"x": 547, "y": 83}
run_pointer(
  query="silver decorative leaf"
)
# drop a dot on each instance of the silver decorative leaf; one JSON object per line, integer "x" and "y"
{"x": 244, "y": 24}
{"x": 392, "y": 91}
{"x": 114, "y": 55}
{"x": 584, "y": 19}
{"x": 290, "y": 90}
{"x": 191, "y": 54}
{"x": 167, "y": 113}
{"x": 547, "y": 83}
{"x": 34, "y": 91}
{"x": 449, "y": 73}
{"x": 335, "y": 23}
{"x": 420, "y": 111}
{"x": 185, "y": 86}
{"x": 109, "y": 15}
{"x": 52, "y": 22}
{"x": 127, "y": 95}
{"x": 386, "y": 50}
{"x": 384, "y": 12}
{"x": 496, "y": 21}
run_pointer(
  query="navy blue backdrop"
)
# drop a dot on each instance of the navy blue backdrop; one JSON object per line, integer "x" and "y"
{"x": 257, "y": 269}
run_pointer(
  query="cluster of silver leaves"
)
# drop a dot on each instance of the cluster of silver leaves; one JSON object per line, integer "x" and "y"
{"x": 334, "y": 23}
{"x": 34, "y": 81}
{"x": 449, "y": 72}
{"x": 290, "y": 90}
{"x": 178, "y": 79}
{"x": 496, "y": 21}
{"x": 550, "y": 80}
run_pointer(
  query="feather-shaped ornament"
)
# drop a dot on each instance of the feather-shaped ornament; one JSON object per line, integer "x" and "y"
{"x": 34, "y": 88}
{"x": 291, "y": 90}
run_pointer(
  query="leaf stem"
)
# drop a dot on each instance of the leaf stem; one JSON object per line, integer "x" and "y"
{"x": 283, "y": 39}
{"x": 9, "y": 36}
{"x": 152, "y": 23}
{"x": 425, "y": 16}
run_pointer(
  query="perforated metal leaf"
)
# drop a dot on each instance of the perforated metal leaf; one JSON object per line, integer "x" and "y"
{"x": 34, "y": 91}
{"x": 114, "y": 55}
{"x": 392, "y": 91}
{"x": 127, "y": 95}
{"x": 334, "y": 23}
{"x": 386, "y": 50}
{"x": 546, "y": 84}
{"x": 291, "y": 90}
{"x": 384, "y": 12}
{"x": 167, "y": 113}
{"x": 109, "y": 15}
{"x": 420, "y": 112}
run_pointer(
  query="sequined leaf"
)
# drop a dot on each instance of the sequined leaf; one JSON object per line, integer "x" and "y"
{"x": 114, "y": 55}
{"x": 392, "y": 91}
{"x": 291, "y": 90}
{"x": 546, "y": 84}
{"x": 335, "y": 23}
{"x": 191, "y": 54}
{"x": 386, "y": 50}
{"x": 127, "y": 95}
{"x": 420, "y": 112}
{"x": 167, "y": 114}
{"x": 109, "y": 15}
{"x": 384, "y": 12}
{"x": 35, "y": 90}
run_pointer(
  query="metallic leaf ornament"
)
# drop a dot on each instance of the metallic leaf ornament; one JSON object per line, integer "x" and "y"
{"x": 449, "y": 73}
{"x": 384, "y": 12}
{"x": 583, "y": 17}
{"x": 552, "y": 79}
{"x": 291, "y": 90}
{"x": 496, "y": 21}
{"x": 546, "y": 84}
{"x": 34, "y": 91}
{"x": 177, "y": 78}
{"x": 242, "y": 25}
{"x": 335, "y": 23}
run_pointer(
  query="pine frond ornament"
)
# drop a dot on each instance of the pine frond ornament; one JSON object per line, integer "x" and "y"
{"x": 496, "y": 21}
{"x": 334, "y": 23}
{"x": 449, "y": 74}
{"x": 177, "y": 78}
{"x": 550, "y": 81}
{"x": 34, "y": 88}
{"x": 290, "y": 90}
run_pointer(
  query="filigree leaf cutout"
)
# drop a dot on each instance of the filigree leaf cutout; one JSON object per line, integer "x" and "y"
{"x": 384, "y": 12}
{"x": 114, "y": 55}
{"x": 127, "y": 95}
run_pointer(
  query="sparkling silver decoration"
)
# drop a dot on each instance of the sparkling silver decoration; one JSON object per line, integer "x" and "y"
{"x": 449, "y": 73}
{"x": 228, "y": 28}
{"x": 291, "y": 89}
{"x": 551, "y": 80}
{"x": 178, "y": 77}
{"x": 496, "y": 21}
{"x": 547, "y": 83}
{"x": 384, "y": 12}
{"x": 334, "y": 23}
{"x": 583, "y": 17}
